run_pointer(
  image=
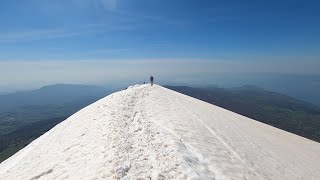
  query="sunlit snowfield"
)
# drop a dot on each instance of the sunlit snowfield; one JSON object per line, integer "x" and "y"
{"x": 146, "y": 131}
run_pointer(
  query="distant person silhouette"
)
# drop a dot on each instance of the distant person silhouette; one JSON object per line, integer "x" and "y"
{"x": 151, "y": 80}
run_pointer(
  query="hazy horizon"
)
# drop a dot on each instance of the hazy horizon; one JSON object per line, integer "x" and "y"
{"x": 31, "y": 74}
{"x": 303, "y": 87}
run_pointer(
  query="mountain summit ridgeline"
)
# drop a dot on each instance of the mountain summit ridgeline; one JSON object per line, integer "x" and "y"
{"x": 153, "y": 132}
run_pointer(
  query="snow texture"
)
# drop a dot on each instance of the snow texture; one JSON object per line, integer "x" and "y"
{"x": 147, "y": 132}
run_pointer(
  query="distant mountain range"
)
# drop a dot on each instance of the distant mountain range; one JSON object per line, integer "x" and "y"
{"x": 272, "y": 108}
{"x": 53, "y": 95}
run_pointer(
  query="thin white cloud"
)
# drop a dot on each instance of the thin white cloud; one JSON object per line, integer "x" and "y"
{"x": 54, "y": 33}
{"x": 60, "y": 6}
{"x": 35, "y": 34}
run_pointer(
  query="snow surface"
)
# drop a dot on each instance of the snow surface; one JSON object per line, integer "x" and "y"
{"x": 154, "y": 133}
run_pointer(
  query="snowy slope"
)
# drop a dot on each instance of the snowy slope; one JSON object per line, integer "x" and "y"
{"x": 152, "y": 132}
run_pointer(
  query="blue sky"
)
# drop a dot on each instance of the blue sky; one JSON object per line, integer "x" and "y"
{"x": 267, "y": 36}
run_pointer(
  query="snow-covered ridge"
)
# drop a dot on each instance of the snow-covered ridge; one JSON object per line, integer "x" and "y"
{"x": 152, "y": 132}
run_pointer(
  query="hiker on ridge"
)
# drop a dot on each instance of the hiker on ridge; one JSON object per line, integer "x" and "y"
{"x": 151, "y": 80}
